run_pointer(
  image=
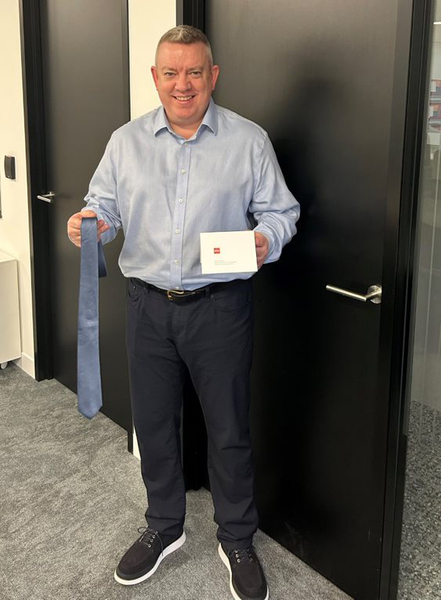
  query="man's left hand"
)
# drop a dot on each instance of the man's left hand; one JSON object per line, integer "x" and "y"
{"x": 262, "y": 248}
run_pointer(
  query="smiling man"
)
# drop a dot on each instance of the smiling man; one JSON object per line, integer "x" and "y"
{"x": 185, "y": 168}
{"x": 185, "y": 78}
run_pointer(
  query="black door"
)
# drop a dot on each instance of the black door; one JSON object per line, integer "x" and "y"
{"x": 319, "y": 77}
{"x": 86, "y": 97}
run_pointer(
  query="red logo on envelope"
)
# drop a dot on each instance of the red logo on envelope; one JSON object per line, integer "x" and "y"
{"x": 216, "y": 250}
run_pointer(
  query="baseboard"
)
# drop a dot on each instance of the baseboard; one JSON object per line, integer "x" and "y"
{"x": 26, "y": 363}
{"x": 135, "y": 445}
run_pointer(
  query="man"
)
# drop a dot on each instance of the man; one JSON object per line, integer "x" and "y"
{"x": 185, "y": 168}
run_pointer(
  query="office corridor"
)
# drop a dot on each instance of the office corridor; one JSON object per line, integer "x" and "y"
{"x": 71, "y": 499}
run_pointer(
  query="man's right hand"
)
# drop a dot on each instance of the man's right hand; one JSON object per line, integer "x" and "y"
{"x": 74, "y": 226}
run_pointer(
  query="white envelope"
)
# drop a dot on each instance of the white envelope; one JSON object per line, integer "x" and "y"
{"x": 228, "y": 252}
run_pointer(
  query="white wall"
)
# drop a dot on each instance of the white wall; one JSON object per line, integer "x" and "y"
{"x": 14, "y": 226}
{"x": 148, "y": 20}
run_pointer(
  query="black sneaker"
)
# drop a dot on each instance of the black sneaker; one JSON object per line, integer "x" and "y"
{"x": 143, "y": 558}
{"x": 247, "y": 579}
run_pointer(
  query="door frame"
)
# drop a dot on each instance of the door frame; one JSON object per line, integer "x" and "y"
{"x": 32, "y": 60}
{"x": 37, "y": 184}
{"x": 398, "y": 307}
{"x": 400, "y": 263}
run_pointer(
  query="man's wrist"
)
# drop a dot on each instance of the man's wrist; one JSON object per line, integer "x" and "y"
{"x": 268, "y": 235}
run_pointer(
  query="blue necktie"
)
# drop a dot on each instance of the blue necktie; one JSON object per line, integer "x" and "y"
{"x": 93, "y": 265}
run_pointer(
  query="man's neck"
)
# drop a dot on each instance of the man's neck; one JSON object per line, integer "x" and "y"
{"x": 185, "y": 132}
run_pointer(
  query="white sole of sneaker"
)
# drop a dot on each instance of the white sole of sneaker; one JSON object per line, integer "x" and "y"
{"x": 174, "y": 546}
{"x": 224, "y": 559}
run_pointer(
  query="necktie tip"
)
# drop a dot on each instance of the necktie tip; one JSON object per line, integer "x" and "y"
{"x": 88, "y": 414}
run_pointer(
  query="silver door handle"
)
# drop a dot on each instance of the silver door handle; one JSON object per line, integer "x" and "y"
{"x": 47, "y": 197}
{"x": 373, "y": 294}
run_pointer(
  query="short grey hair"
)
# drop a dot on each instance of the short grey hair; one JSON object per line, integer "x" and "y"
{"x": 186, "y": 34}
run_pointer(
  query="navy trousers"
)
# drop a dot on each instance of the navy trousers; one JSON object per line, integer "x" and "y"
{"x": 211, "y": 334}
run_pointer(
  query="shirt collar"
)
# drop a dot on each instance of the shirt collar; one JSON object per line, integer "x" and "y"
{"x": 210, "y": 120}
{"x": 210, "y": 117}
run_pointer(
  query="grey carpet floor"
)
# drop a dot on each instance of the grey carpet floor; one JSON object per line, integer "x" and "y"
{"x": 420, "y": 570}
{"x": 71, "y": 499}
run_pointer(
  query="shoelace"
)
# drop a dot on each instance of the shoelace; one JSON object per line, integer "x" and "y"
{"x": 148, "y": 536}
{"x": 242, "y": 555}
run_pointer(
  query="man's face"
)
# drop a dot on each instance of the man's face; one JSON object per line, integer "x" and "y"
{"x": 185, "y": 82}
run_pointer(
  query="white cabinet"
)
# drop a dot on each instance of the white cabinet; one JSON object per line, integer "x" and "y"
{"x": 10, "y": 344}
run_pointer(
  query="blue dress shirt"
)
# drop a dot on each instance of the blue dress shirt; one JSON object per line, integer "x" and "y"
{"x": 164, "y": 190}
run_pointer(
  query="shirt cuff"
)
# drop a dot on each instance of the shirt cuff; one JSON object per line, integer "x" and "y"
{"x": 269, "y": 234}
{"x": 108, "y": 235}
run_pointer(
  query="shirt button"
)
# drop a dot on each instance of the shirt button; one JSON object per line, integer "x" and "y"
{"x": 176, "y": 261}
{"x": 183, "y": 171}
{"x": 180, "y": 200}
{"x": 177, "y": 230}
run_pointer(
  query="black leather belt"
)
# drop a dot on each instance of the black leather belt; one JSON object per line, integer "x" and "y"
{"x": 188, "y": 294}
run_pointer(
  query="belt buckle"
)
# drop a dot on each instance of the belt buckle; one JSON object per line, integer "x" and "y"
{"x": 177, "y": 292}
